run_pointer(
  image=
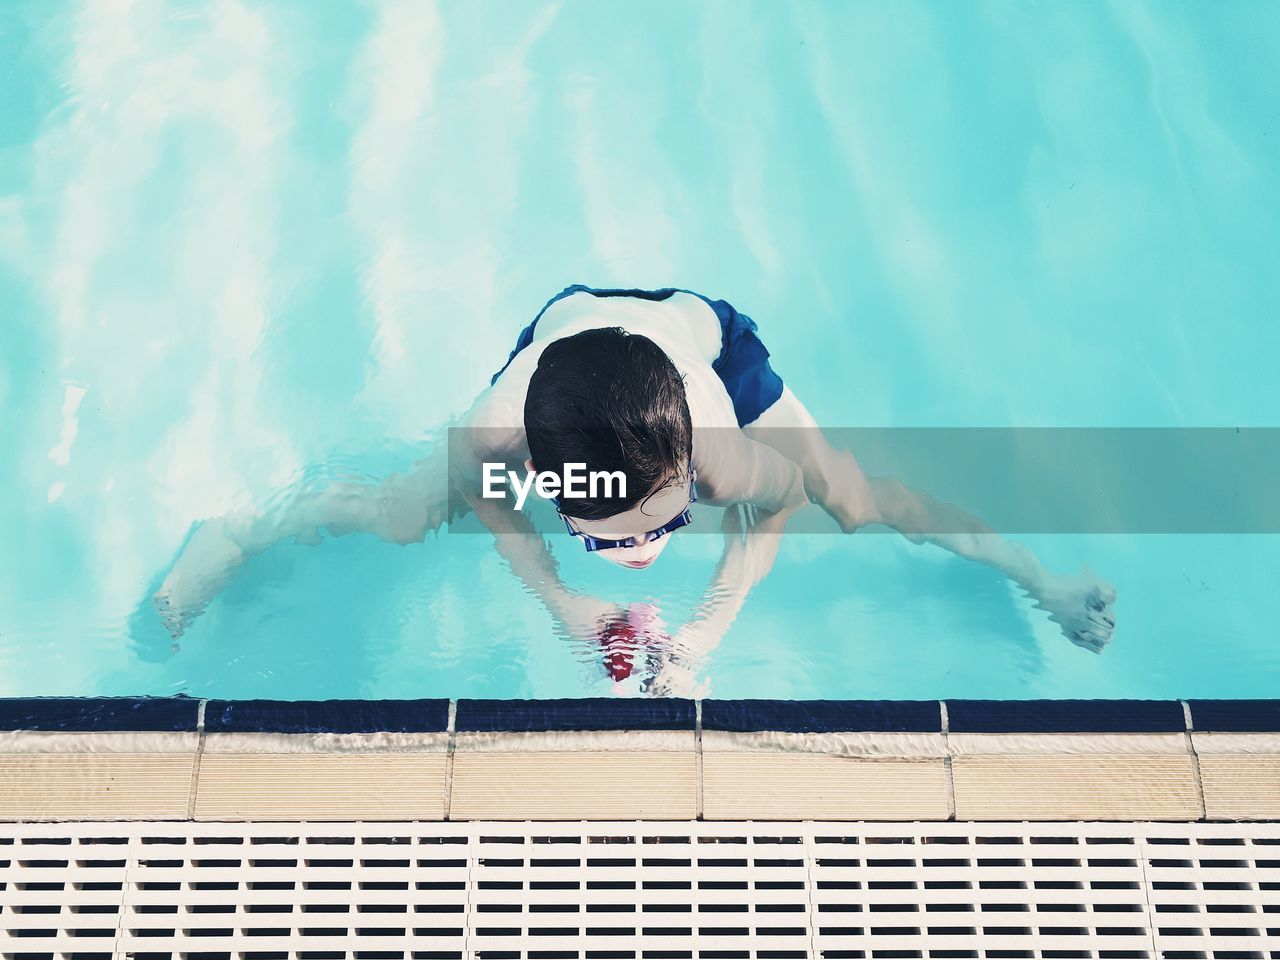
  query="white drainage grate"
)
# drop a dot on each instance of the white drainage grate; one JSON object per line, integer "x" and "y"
{"x": 640, "y": 890}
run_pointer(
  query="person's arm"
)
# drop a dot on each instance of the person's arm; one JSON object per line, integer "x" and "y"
{"x": 733, "y": 468}
{"x": 761, "y": 489}
{"x": 518, "y": 542}
{"x": 922, "y": 519}
{"x": 1080, "y": 604}
{"x": 402, "y": 509}
{"x": 751, "y": 546}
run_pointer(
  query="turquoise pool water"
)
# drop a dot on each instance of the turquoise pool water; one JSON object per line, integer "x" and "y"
{"x": 240, "y": 240}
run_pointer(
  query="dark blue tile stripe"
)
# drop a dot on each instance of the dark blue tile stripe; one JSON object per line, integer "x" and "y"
{"x": 326, "y": 716}
{"x": 823, "y": 716}
{"x": 114, "y": 714}
{"x": 99, "y": 714}
{"x": 1065, "y": 716}
{"x": 1235, "y": 716}
{"x": 600, "y": 713}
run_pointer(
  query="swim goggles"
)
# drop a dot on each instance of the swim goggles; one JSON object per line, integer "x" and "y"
{"x": 682, "y": 519}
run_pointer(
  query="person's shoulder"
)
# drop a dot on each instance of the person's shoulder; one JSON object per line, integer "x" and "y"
{"x": 503, "y": 400}
{"x": 494, "y": 423}
{"x": 701, "y": 322}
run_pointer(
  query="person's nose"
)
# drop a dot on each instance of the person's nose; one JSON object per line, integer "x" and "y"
{"x": 643, "y": 549}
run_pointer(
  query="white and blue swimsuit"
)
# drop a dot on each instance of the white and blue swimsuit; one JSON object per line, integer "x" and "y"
{"x": 742, "y": 366}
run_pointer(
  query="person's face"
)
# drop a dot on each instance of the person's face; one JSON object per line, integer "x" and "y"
{"x": 663, "y": 505}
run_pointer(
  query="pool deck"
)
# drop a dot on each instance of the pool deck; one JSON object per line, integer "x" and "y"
{"x": 609, "y": 759}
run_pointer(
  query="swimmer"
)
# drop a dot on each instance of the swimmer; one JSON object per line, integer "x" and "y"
{"x": 676, "y": 391}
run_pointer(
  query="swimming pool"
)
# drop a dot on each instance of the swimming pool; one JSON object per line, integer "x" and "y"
{"x": 241, "y": 245}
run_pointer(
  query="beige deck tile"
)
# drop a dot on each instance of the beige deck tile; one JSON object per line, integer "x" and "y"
{"x": 774, "y": 786}
{"x": 321, "y": 786}
{"x": 1241, "y": 787}
{"x": 95, "y": 786}
{"x": 545, "y": 785}
{"x": 1157, "y": 787}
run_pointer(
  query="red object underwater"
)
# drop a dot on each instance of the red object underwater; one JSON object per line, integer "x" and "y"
{"x": 622, "y": 637}
{"x": 619, "y": 641}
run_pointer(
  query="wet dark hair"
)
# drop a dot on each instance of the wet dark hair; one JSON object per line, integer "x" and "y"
{"x": 611, "y": 400}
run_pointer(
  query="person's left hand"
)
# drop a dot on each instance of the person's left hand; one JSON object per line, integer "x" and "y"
{"x": 1083, "y": 605}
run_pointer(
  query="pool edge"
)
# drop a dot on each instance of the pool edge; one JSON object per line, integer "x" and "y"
{"x": 610, "y": 759}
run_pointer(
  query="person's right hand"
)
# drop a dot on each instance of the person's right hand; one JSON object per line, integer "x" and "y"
{"x": 676, "y": 670}
{"x": 676, "y": 678}
{"x": 203, "y": 568}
